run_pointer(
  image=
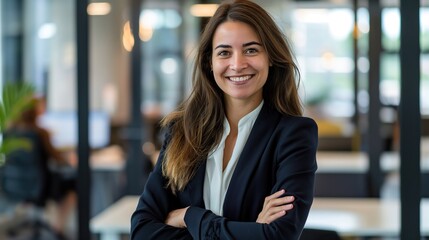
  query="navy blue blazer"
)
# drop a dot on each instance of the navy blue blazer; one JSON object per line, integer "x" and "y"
{"x": 280, "y": 153}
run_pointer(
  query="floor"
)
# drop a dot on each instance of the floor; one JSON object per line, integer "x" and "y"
{"x": 18, "y": 221}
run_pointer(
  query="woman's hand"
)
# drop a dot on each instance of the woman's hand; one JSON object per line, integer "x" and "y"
{"x": 176, "y": 218}
{"x": 275, "y": 207}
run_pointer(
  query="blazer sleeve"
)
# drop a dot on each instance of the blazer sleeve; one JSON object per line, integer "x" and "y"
{"x": 156, "y": 201}
{"x": 295, "y": 168}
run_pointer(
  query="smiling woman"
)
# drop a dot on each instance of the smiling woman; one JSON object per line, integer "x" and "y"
{"x": 240, "y": 63}
{"x": 242, "y": 166}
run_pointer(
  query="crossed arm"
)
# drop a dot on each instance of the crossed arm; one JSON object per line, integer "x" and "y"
{"x": 158, "y": 216}
{"x": 275, "y": 206}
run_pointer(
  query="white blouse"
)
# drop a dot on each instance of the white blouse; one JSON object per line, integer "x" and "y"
{"x": 216, "y": 181}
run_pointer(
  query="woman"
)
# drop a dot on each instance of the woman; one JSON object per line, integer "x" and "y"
{"x": 239, "y": 159}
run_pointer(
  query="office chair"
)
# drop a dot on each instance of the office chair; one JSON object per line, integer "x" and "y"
{"x": 24, "y": 181}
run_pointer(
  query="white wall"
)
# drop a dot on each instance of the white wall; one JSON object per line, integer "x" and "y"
{"x": 36, "y": 50}
{"x": 62, "y": 63}
{"x": 109, "y": 63}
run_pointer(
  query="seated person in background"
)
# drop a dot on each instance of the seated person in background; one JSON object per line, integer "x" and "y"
{"x": 58, "y": 188}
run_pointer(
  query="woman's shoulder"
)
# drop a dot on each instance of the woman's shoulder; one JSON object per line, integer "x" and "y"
{"x": 272, "y": 116}
{"x": 299, "y": 119}
{"x": 291, "y": 122}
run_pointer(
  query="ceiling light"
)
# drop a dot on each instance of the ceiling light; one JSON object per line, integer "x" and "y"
{"x": 203, "y": 10}
{"x": 98, "y": 8}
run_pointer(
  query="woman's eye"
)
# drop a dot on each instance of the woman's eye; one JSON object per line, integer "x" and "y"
{"x": 251, "y": 51}
{"x": 223, "y": 53}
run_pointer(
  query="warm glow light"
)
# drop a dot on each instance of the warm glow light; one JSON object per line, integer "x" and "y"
{"x": 203, "y": 10}
{"x": 327, "y": 59}
{"x": 127, "y": 37}
{"x": 145, "y": 33}
{"x": 98, "y": 8}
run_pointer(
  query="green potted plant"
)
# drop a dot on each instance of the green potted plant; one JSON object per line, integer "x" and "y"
{"x": 15, "y": 98}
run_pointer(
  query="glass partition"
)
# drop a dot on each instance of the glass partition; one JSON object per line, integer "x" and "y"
{"x": 390, "y": 66}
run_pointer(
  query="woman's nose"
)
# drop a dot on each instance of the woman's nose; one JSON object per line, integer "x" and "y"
{"x": 238, "y": 62}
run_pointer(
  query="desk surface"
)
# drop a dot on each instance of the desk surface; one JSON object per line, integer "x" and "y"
{"x": 116, "y": 218}
{"x": 358, "y": 162}
{"x": 108, "y": 159}
{"x": 344, "y": 162}
{"x": 362, "y": 217}
{"x": 347, "y": 216}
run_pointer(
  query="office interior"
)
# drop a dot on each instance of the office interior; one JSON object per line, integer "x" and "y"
{"x": 348, "y": 53}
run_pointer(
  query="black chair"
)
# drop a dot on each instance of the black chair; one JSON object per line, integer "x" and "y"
{"x": 24, "y": 181}
{"x": 319, "y": 234}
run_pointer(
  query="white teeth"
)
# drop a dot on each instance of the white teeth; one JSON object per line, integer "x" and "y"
{"x": 240, "y": 79}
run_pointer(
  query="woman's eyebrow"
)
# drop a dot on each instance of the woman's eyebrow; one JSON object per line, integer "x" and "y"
{"x": 251, "y": 43}
{"x": 244, "y": 45}
{"x": 223, "y": 46}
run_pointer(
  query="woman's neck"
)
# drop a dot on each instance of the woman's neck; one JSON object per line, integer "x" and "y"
{"x": 235, "y": 110}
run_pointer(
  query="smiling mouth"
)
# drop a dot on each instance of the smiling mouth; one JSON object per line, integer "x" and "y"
{"x": 240, "y": 79}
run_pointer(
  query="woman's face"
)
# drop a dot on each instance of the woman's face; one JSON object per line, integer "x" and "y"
{"x": 240, "y": 62}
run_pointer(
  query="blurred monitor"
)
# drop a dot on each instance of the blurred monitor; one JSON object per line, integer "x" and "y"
{"x": 63, "y": 128}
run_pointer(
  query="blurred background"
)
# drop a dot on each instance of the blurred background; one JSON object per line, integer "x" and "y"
{"x": 135, "y": 82}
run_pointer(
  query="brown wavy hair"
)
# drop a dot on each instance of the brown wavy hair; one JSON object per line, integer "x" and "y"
{"x": 196, "y": 126}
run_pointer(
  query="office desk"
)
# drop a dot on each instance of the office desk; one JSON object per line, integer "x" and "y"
{"x": 342, "y": 162}
{"x": 348, "y": 172}
{"x": 107, "y": 170}
{"x": 111, "y": 158}
{"x": 358, "y": 162}
{"x": 115, "y": 220}
{"x": 390, "y": 162}
{"x": 361, "y": 217}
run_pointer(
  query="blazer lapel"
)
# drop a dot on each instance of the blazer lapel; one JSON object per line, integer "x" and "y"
{"x": 250, "y": 156}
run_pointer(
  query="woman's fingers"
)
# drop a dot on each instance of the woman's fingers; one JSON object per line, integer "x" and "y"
{"x": 280, "y": 201}
{"x": 275, "y": 207}
{"x": 271, "y": 218}
{"x": 271, "y": 214}
{"x": 274, "y": 196}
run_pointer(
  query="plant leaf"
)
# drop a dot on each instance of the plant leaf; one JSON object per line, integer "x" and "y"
{"x": 11, "y": 144}
{"x": 16, "y": 98}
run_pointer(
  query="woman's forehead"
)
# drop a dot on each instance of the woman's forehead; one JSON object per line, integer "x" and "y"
{"x": 234, "y": 32}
